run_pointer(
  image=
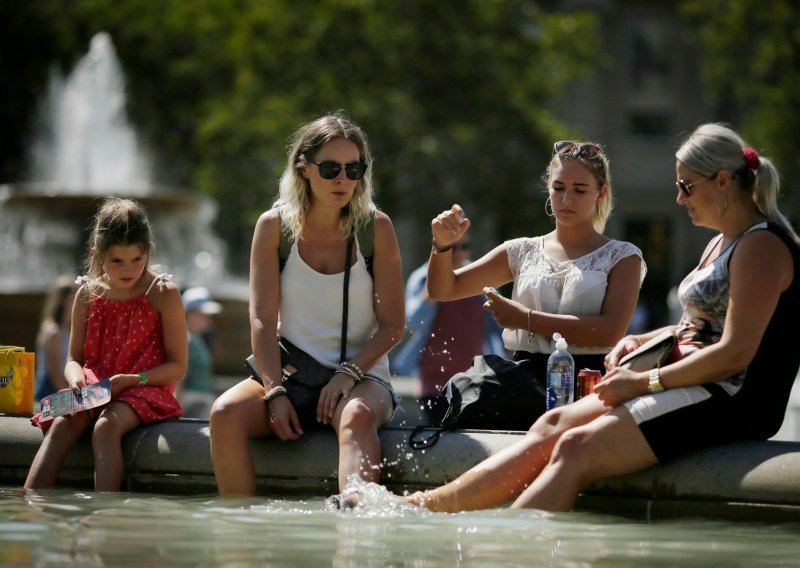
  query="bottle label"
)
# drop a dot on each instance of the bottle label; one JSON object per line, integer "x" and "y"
{"x": 559, "y": 388}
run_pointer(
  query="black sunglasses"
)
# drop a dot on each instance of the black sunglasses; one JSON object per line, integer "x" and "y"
{"x": 330, "y": 169}
{"x": 570, "y": 148}
{"x": 686, "y": 188}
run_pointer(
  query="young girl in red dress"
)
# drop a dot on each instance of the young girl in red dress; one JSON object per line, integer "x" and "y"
{"x": 127, "y": 326}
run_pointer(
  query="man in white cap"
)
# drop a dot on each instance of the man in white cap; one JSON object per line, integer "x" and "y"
{"x": 196, "y": 392}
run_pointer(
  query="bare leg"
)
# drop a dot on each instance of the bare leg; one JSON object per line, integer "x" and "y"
{"x": 608, "y": 446}
{"x": 356, "y": 422}
{"x": 503, "y": 476}
{"x": 236, "y": 416}
{"x": 59, "y": 440}
{"x": 116, "y": 420}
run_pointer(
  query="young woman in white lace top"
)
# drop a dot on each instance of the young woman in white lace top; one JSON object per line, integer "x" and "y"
{"x": 573, "y": 280}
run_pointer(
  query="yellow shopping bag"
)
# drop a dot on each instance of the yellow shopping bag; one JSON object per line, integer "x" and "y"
{"x": 16, "y": 380}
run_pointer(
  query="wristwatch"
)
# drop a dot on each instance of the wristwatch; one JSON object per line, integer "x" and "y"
{"x": 655, "y": 385}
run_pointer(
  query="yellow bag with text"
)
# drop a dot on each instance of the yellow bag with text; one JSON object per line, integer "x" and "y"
{"x": 16, "y": 380}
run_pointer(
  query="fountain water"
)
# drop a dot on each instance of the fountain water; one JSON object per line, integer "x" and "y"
{"x": 85, "y": 149}
{"x": 87, "y": 143}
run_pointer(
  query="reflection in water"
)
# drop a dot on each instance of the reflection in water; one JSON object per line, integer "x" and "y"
{"x": 58, "y": 527}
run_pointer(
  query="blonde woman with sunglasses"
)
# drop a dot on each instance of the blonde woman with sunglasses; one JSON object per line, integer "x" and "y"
{"x": 729, "y": 378}
{"x": 325, "y": 195}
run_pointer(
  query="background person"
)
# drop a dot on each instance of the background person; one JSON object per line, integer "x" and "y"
{"x": 730, "y": 376}
{"x": 325, "y": 192}
{"x": 196, "y": 391}
{"x": 52, "y": 339}
{"x": 444, "y": 338}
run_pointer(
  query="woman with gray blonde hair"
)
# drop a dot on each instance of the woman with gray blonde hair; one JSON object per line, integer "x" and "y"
{"x": 735, "y": 356}
{"x": 325, "y": 196}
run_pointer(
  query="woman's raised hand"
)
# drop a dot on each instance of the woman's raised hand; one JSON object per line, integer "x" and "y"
{"x": 449, "y": 226}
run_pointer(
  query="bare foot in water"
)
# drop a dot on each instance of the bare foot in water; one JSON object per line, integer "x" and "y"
{"x": 350, "y": 498}
{"x": 417, "y": 498}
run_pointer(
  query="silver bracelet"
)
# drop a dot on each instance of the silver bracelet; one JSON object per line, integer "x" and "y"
{"x": 275, "y": 392}
{"x": 530, "y": 331}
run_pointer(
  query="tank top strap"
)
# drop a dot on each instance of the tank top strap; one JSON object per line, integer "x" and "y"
{"x": 161, "y": 280}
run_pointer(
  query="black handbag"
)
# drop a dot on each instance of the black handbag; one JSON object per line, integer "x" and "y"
{"x": 303, "y": 376}
{"x": 493, "y": 394}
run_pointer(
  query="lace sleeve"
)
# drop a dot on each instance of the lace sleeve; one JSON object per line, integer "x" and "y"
{"x": 517, "y": 250}
{"x": 624, "y": 250}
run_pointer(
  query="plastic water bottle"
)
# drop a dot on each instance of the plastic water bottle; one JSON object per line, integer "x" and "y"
{"x": 560, "y": 375}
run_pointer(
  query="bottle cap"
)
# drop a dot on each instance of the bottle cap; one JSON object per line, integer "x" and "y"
{"x": 560, "y": 342}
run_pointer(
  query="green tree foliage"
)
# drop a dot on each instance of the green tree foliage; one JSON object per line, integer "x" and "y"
{"x": 453, "y": 95}
{"x": 750, "y": 53}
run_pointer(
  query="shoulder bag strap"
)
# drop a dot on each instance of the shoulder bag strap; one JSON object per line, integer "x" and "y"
{"x": 345, "y": 297}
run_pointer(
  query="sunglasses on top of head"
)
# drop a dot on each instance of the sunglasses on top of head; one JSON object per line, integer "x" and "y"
{"x": 686, "y": 188}
{"x": 329, "y": 169}
{"x": 570, "y": 148}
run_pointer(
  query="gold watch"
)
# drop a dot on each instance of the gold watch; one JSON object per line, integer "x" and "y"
{"x": 655, "y": 385}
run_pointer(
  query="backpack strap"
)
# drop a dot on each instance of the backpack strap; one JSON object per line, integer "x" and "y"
{"x": 365, "y": 236}
{"x": 285, "y": 246}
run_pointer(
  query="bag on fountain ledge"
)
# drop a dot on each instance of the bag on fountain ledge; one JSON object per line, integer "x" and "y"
{"x": 16, "y": 380}
{"x": 493, "y": 394}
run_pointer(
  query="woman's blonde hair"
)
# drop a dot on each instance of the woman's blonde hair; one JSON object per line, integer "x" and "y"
{"x": 600, "y": 167}
{"x": 713, "y": 147}
{"x": 294, "y": 191}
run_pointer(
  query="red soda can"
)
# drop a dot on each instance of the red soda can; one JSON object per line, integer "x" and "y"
{"x": 587, "y": 378}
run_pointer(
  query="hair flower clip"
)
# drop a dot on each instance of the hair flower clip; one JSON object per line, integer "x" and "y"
{"x": 81, "y": 280}
{"x": 751, "y": 159}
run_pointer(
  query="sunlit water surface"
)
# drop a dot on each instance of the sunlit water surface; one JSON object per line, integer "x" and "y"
{"x": 63, "y": 528}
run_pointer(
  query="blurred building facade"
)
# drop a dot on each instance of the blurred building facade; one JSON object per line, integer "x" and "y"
{"x": 645, "y": 97}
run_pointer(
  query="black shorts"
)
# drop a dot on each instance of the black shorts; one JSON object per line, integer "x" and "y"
{"x": 719, "y": 419}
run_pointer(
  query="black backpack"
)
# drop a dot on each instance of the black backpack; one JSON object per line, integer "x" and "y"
{"x": 493, "y": 394}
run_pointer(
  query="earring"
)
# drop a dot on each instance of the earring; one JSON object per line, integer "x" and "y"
{"x": 549, "y": 204}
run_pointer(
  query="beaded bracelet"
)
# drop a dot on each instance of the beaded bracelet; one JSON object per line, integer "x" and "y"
{"x": 349, "y": 372}
{"x": 354, "y": 367}
{"x": 530, "y": 331}
{"x": 275, "y": 392}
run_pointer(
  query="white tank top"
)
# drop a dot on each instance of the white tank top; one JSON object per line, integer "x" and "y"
{"x": 311, "y": 311}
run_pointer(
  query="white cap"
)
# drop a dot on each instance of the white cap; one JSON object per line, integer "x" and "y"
{"x": 199, "y": 299}
{"x": 560, "y": 342}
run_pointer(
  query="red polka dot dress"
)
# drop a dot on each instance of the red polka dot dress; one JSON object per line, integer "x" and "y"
{"x": 126, "y": 337}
